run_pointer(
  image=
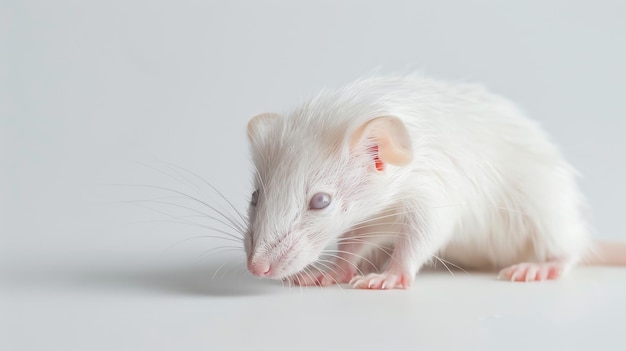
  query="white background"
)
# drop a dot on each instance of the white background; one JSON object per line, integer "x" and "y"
{"x": 97, "y": 94}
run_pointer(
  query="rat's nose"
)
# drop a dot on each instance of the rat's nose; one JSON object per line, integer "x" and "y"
{"x": 260, "y": 268}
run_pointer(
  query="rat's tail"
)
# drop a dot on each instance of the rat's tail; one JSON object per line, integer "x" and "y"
{"x": 606, "y": 253}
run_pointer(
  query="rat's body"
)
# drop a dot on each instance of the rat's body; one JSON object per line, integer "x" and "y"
{"x": 420, "y": 168}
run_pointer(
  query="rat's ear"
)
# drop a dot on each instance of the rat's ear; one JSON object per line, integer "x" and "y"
{"x": 259, "y": 124}
{"x": 390, "y": 139}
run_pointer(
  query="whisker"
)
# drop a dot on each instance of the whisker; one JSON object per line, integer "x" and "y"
{"x": 188, "y": 182}
{"x": 356, "y": 267}
{"x": 206, "y": 215}
{"x": 326, "y": 270}
{"x": 299, "y": 282}
{"x": 450, "y": 263}
{"x": 196, "y": 237}
{"x": 332, "y": 277}
{"x": 218, "y": 250}
{"x": 373, "y": 225}
{"x": 365, "y": 242}
{"x": 332, "y": 263}
{"x": 373, "y": 235}
{"x": 310, "y": 274}
{"x": 444, "y": 264}
{"x": 229, "y": 219}
{"x": 218, "y": 269}
{"x": 382, "y": 217}
{"x": 169, "y": 175}
{"x": 212, "y": 187}
{"x": 177, "y": 220}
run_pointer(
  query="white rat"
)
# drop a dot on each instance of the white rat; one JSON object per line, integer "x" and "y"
{"x": 398, "y": 171}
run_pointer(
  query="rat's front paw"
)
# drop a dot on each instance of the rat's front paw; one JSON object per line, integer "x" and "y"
{"x": 307, "y": 277}
{"x": 336, "y": 277}
{"x": 321, "y": 278}
{"x": 387, "y": 280}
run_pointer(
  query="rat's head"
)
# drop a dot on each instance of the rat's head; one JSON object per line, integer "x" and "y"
{"x": 313, "y": 182}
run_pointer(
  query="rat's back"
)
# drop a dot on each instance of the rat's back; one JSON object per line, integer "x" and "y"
{"x": 515, "y": 195}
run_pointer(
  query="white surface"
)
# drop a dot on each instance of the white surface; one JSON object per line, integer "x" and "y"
{"x": 176, "y": 307}
{"x": 88, "y": 90}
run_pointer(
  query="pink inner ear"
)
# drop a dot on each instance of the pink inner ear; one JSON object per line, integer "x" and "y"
{"x": 379, "y": 164}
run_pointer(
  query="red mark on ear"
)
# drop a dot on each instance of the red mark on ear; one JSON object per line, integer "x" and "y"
{"x": 379, "y": 164}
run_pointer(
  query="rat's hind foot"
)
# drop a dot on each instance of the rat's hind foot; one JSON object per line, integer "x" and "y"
{"x": 387, "y": 280}
{"x": 530, "y": 271}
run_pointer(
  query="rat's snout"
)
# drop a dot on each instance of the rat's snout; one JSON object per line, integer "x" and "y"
{"x": 268, "y": 259}
{"x": 260, "y": 267}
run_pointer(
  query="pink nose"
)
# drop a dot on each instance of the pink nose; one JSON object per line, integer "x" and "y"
{"x": 260, "y": 268}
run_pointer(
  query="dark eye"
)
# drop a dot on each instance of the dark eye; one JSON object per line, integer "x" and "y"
{"x": 254, "y": 198}
{"x": 319, "y": 201}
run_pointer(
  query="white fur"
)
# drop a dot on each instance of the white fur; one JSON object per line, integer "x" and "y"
{"x": 486, "y": 188}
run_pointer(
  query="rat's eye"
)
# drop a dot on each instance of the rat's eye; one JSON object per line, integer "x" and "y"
{"x": 254, "y": 198}
{"x": 319, "y": 201}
